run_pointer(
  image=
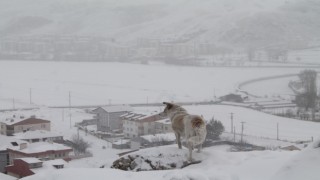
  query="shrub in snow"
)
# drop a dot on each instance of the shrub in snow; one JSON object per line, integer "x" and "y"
{"x": 79, "y": 145}
{"x": 214, "y": 129}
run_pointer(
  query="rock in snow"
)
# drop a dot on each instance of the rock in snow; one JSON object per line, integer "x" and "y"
{"x": 159, "y": 158}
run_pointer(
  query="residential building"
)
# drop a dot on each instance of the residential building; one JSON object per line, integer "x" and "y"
{"x": 135, "y": 124}
{"x": 23, "y": 167}
{"x": 108, "y": 117}
{"x": 41, "y": 150}
{"x": 19, "y": 123}
{"x": 232, "y": 98}
{"x": 39, "y": 136}
{"x": 7, "y": 142}
{"x": 163, "y": 126}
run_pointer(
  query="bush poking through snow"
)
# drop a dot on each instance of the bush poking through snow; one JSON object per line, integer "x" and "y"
{"x": 79, "y": 145}
{"x": 214, "y": 129}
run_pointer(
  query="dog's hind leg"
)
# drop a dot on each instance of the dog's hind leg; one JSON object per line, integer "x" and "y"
{"x": 199, "y": 148}
{"x": 190, "y": 147}
{"x": 178, "y": 139}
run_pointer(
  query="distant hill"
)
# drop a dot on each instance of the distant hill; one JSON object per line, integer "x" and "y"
{"x": 234, "y": 23}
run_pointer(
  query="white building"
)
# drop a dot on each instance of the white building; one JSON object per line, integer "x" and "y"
{"x": 135, "y": 125}
{"x": 108, "y": 117}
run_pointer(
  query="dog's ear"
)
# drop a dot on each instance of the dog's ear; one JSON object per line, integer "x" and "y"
{"x": 169, "y": 105}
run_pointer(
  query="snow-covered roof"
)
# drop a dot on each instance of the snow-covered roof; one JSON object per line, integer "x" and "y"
{"x": 123, "y": 141}
{"x": 126, "y": 114}
{"x": 49, "y": 165}
{"x": 6, "y": 177}
{"x": 164, "y": 121}
{"x": 30, "y": 160}
{"x": 9, "y": 142}
{"x": 16, "y": 119}
{"x": 43, "y": 147}
{"x": 12, "y": 118}
{"x": 56, "y": 162}
{"x": 118, "y": 108}
{"x": 36, "y": 134}
{"x": 159, "y": 137}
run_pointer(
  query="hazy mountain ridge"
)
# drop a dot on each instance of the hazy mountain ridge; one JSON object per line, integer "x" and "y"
{"x": 230, "y": 22}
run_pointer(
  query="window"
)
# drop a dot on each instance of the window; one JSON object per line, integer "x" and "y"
{"x": 43, "y": 125}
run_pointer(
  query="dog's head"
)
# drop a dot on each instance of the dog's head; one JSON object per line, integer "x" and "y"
{"x": 170, "y": 109}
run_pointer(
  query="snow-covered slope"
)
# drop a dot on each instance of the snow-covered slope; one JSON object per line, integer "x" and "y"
{"x": 226, "y": 22}
{"x": 217, "y": 163}
{"x": 304, "y": 165}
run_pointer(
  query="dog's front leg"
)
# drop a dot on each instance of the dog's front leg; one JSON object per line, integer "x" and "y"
{"x": 190, "y": 147}
{"x": 178, "y": 140}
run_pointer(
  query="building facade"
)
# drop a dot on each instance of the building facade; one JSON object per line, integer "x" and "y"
{"x": 16, "y": 124}
{"x": 108, "y": 117}
{"x": 135, "y": 125}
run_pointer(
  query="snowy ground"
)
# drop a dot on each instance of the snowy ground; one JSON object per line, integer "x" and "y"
{"x": 116, "y": 83}
{"x": 217, "y": 163}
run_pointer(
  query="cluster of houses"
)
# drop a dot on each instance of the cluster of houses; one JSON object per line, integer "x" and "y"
{"x": 126, "y": 128}
{"x": 59, "y": 48}
{"x": 28, "y": 146}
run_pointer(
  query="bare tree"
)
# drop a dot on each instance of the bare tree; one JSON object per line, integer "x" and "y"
{"x": 308, "y": 97}
{"x": 79, "y": 145}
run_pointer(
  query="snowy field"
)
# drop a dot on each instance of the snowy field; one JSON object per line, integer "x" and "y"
{"x": 49, "y": 83}
{"x": 271, "y": 87}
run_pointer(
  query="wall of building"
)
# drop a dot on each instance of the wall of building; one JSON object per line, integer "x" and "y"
{"x": 130, "y": 128}
{"x": 3, "y": 128}
{"x": 3, "y": 160}
{"x": 42, "y": 126}
{"x": 109, "y": 121}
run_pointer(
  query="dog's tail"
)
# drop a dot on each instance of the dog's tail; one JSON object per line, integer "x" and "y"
{"x": 200, "y": 129}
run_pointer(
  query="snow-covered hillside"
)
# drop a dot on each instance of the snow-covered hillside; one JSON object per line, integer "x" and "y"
{"x": 230, "y": 22}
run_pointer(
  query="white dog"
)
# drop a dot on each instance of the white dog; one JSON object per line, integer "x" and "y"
{"x": 192, "y": 127}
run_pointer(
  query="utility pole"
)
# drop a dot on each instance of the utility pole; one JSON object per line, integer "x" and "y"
{"x": 231, "y": 122}
{"x": 70, "y": 107}
{"x": 277, "y": 131}
{"x": 62, "y": 114}
{"x": 78, "y": 134}
{"x": 234, "y": 134}
{"x": 242, "y": 128}
{"x": 30, "y": 96}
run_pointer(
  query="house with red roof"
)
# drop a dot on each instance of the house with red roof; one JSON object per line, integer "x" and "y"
{"x": 23, "y": 167}
{"x": 20, "y": 123}
{"x": 41, "y": 150}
